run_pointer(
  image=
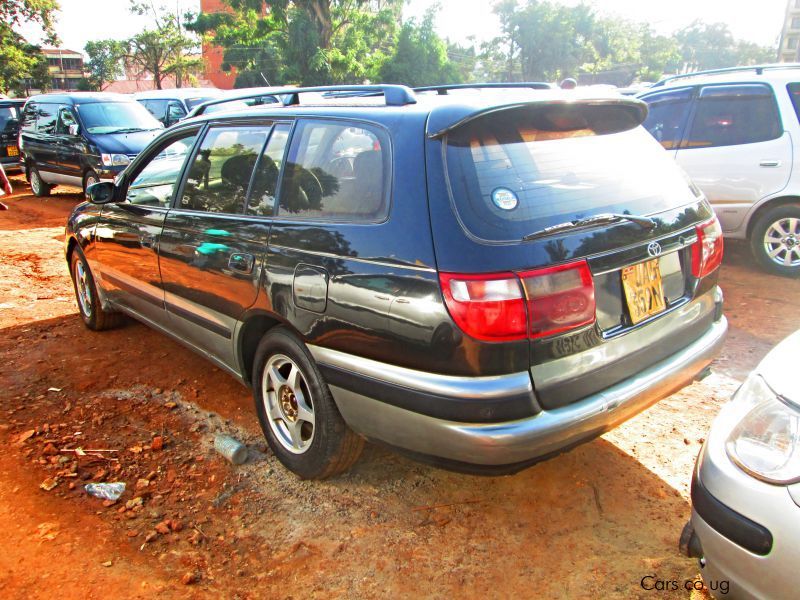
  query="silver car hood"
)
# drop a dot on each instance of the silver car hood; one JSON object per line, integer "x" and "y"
{"x": 781, "y": 368}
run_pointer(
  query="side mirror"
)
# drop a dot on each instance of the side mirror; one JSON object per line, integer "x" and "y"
{"x": 100, "y": 193}
{"x": 74, "y": 129}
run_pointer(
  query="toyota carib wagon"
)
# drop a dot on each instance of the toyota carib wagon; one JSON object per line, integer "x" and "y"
{"x": 478, "y": 280}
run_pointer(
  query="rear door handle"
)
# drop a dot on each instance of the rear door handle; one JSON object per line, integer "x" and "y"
{"x": 770, "y": 163}
{"x": 241, "y": 263}
{"x": 148, "y": 240}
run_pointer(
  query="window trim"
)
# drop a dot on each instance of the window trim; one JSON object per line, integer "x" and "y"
{"x": 684, "y": 145}
{"x": 290, "y": 219}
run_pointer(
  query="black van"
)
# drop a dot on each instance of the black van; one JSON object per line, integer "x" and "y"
{"x": 80, "y": 138}
{"x": 10, "y": 111}
{"x": 480, "y": 280}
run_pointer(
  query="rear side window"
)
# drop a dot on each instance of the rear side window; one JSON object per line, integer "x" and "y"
{"x": 336, "y": 172}
{"x": 733, "y": 115}
{"x": 667, "y": 118}
{"x": 513, "y": 173}
{"x": 46, "y": 116}
{"x": 220, "y": 175}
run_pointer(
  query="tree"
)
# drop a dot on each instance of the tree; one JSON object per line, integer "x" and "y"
{"x": 105, "y": 62}
{"x": 421, "y": 56}
{"x": 21, "y": 61}
{"x": 302, "y": 41}
{"x": 165, "y": 50}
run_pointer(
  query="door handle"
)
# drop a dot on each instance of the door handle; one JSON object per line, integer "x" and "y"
{"x": 241, "y": 263}
{"x": 770, "y": 163}
{"x": 148, "y": 240}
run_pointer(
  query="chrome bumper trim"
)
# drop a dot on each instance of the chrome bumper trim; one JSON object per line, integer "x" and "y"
{"x": 498, "y": 444}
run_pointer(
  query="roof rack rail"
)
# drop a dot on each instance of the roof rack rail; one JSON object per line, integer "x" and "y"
{"x": 759, "y": 70}
{"x": 443, "y": 89}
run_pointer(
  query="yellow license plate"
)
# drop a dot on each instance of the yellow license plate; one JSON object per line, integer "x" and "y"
{"x": 12, "y": 151}
{"x": 644, "y": 291}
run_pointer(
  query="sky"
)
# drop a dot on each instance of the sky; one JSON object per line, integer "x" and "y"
{"x": 82, "y": 20}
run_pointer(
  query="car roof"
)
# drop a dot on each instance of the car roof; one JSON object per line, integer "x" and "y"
{"x": 178, "y": 93}
{"x": 439, "y": 112}
{"x": 80, "y": 98}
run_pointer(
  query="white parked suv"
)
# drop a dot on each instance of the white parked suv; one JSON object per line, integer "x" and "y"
{"x": 736, "y": 132}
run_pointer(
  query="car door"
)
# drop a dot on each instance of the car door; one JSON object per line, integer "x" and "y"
{"x": 667, "y": 116}
{"x": 71, "y": 145}
{"x": 215, "y": 236}
{"x": 736, "y": 149}
{"x": 127, "y": 234}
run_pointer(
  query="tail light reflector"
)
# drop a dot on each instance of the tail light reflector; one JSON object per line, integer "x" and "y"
{"x": 486, "y": 307}
{"x": 508, "y": 306}
{"x": 559, "y": 298}
{"x": 707, "y": 251}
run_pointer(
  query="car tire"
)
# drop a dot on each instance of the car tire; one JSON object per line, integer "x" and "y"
{"x": 298, "y": 416}
{"x": 39, "y": 188}
{"x": 89, "y": 307}
{"x": 90, "y": 178}
{"x": 775, "y": 240}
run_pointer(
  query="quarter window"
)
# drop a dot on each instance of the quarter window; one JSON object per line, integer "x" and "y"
{"x": 733, "y": 115}
{"x": 156, "y": 183}
{"x": 667, "y": 116}
{"x": 220, "y": 175}
{"x": 265, "y": 179}
{"x": 336, "y": 172}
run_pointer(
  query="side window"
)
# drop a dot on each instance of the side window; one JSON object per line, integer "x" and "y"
{"x": 220, "y": 174}
{"x": 46, "y": 115}
{"x": 733, "y": 115}
{"x": 156, "y": 183}
{"x": 667, "y": 116}
{"x": 65, "y": 120}
{"x": 336, "y": 172}
{"x": 265, "y": 179}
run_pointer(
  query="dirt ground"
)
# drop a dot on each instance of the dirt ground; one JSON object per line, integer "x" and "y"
{"x": 592, "y": 522}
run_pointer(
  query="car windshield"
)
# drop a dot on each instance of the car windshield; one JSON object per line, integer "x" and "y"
{"x": 9, "y": 118}
{"x": 515, "y": 172}
{"x": 116, "y": 117}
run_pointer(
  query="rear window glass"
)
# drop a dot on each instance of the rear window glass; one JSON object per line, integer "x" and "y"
{"x": 510, "y": 176}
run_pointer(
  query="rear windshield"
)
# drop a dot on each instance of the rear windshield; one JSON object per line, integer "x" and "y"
{"x": 513, "y": 173}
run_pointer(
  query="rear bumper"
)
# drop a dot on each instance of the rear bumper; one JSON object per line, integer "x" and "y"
{"x": 513, "y": 443}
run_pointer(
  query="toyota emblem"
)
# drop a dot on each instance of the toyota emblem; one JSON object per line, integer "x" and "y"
{"x": 654, "y": 249}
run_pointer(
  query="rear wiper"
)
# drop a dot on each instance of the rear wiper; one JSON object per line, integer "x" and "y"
{"x": 601, "y": 219}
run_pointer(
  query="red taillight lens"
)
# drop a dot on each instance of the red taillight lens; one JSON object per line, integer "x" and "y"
{"x": 559, "y": 298}
{"x": 486, "y": 307}
{"x": 500, "y": 307}
{"x": 707, "y": 251}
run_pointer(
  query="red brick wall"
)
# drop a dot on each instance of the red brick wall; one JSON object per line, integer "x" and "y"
{"x": 212, "y": 55}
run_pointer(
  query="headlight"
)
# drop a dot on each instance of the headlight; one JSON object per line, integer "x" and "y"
{"x": 766, "y": 442}
{"x": 115, "y": 160}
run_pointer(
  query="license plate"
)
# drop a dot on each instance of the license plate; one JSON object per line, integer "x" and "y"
{"x": 12, "y": 151}
{"x": 644, "y": 291}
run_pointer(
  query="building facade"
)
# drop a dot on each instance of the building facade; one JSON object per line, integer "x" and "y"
{"x": 789, "y": 49}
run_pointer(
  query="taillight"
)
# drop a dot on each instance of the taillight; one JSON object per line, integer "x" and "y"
{"x": 486, "y": 307}
{"x": 507, "y": 306}
{"x": 707, "y": 251}
{"x": 559, "y": 298}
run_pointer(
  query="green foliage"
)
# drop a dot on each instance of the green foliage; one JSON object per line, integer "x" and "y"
{"x": 21, "y": 65}
{"x": 105, "y": 63}
{"x": 421, "y": 57}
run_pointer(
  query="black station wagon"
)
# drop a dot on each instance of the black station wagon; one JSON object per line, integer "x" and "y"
{"x": 478, "y": 279}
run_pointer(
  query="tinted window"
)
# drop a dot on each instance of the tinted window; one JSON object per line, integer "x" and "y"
{"x": 220, "y": 174}
{"x": 336, "y": 172}
{"x": 732, "y": 115}
{"x": 667, "y": 116}
{"x": 46, "y": 115}
{"x": 512, "y": 174}
{"x": 265, "y": 179}
{"x": 65, "y": 119}
{"x": 116, "y": 117}
{"x": 155, "y": 184}
{"x": 9, "y": 119}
